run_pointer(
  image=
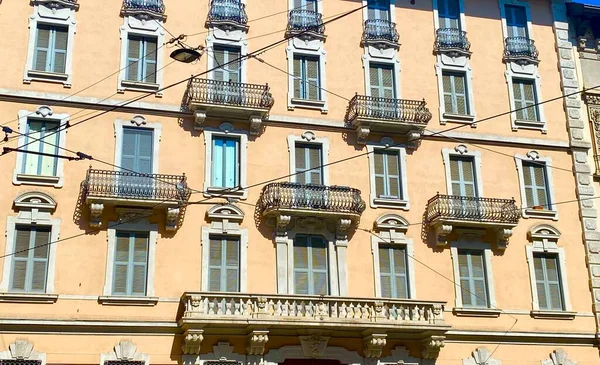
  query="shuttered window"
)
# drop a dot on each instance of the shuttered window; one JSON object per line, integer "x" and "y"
{"x": 449, "y": 13}
{"x": 381, "y": 78}
{"x": 307, "y": 83}
{"x": 393, "y": 272}
{"x": 378, "y": 9}
{"x": 224, "y": 264}
{"x": 141, "y": 59}
{"x": 38, "y": 131}
{"x": 137, "y": 152}
{"x": 310, "y": 5}
{"x": 227, "y": 71}
{"x": 308, "y": 156}
{"x": 547, "y": 281}
{"x": 225, "y": 162}
{"x": 516, "y": 21}
{"x": 30, "y": 261}
{"x": 473, "y": 286}
{"x": 131, "y": 263}
{"x": 525, "y": 100}
{"x": 387, "y": 174}
{"x": 311, "y": 275}
{"x": 51, "y": 48}
{"x": 455, "y": 93}
{"x": 462, "y": 174}
{"x": 536, "y": 185}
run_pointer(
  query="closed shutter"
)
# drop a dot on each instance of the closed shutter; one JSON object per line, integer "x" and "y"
{"x": 225, "y": 160}
{"x": 139, "y": 264}
{"x": 312, "y": 79}
{"x": 131, "y": 263}
{"x": 121, "y": 264}
{"x": 61, "y": 36}
{"x": 30, "y": 261}
{"x": 387, "y": 174}
{"x": 382, "y": 85}
{"x": 310, "y": 266}
{"x": 308, "y": 156}
{"x": 455, "y": 93}
{"x": 214, "y": 264}
{"x": 378, "y": 9}
{"x": 219, "y": 55}
{"x": 298, "y": 78}
{"x": 137, "y": 157}
{"x": 548, "y": 285}
{"x": 393, "y": 270}
{"x": 232, "y": 262}
{"x": 525, "y": 100}
{"x": 39, "y": 259}
{"x": 516, "y": 21}
{"x": 42, "y": 48}
{"x": 380, "y": 177}
{"x": 536, "y": 188}
{"x": 462, "y": 175}
{"x": 20, "y": 259}
{"x": 472, "y": 279}
{"x": 227, "y": 72}
{"x": 150, "y": 56}
{"x": 134, "y": 55}
{"x": 449, "y": 12}
{"x": 223, "y": 264}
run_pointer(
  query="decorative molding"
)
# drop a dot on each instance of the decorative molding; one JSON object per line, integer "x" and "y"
{"x": 96, "y": 210}
{"x": 22, "y": 349}
{"x": 432, "y": 346}
{"x": 192, "y": 339}
{"x": 374, "y": 344}
{"x": 125, "y": 351}
{"x": 257, "y": 341}
{"x": 558, "y": 357}
{"x": 481, "y": 356}
{"x": 314, "y": 345}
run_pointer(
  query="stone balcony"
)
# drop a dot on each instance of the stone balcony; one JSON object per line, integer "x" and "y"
{"x": 520, "y": 50}
{"x": 144, "y": 9}
{"x": 305, "y": 24}
{"x": 452, "y": 41}
{"x": 367, "y": 114}
{"x": 447, "y": 212}
{"x": 380, "y": 33}
{"x": 271, "y": 315}
{"x": 130, "y": 192}
{"x": 227, "y": 15}
{"x": 225, "y": 100}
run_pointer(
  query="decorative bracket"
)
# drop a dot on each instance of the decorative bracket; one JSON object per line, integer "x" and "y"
{"x": 255, "y": 125}
{"x": 502, "y": 236}
{"x": 342, "y": 229}
{"x": 432, "y": 346}
{"x": 96, "y": 210}
{"x": 374, "y": 345}
{"x": 441, "y": 232}
{"x": 192, "y": 339}
{"x": 172, "y": 219}
{"x": 413, "y": 139}
{"x": 199, "y": 119}
{"x": 257, "y": 341}
{"x": 282, "y": 224}
{"x": 362, "y": 132}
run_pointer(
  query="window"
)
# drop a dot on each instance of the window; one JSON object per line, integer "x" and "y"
{"x": 547, "y": 281}
{"x": 378, "y": 9}
{"x": 46, "y": 132}
{"x": 393, "y": 272}
{"x": 381, "y": 79}
{"x": 387, "y": 174}
{"x": 310, "y": 265}
{"x": 141, "y": 59}
{"x": 30, "y": 261}
{"x": 229, "y": 72}
{"x": 225, "y": 162}
{"x": 224, "y": 264}
{"x": 536, "y": 186}
{"x": 525, "y": 100}
{"x": 462, "y": 173}
{"x": 307, "y": 78}
{"x": 535, "y": 179}
{"x": 308, "y": 164}
{"x": 516, "y": 21}
{"x": 51, "y": 48}
{"x": 310, "y": 5}
{"x": 131, "y": 263}
{"x": 137, "y": 157}
{"x": 449, "y": 14}
{"x": 472, "y": 273}
{"x": 455, "y": 93}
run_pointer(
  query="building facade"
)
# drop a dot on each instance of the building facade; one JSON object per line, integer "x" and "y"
{"x": 378, "y": 182}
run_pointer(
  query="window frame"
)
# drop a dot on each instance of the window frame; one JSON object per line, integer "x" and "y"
{"x": 544, "y": 239}
{"x": 461, "y": 14}
{"x": 529, "y": 212}
{"x": 30, "y": 258}
{"x": 142, "y": 72}
{"x": 44, "y": 15}
{"x": 446, "y": 116}
{"x": 225, "y": 162}
{"x": 131, "y": 264}
{"x": 312, "y": 49}
{"x": 516, "y": 123}
{"x": 137, "y": 122}
{"x": 308, "y": 138}
{"x": 376, "y": 202}
{"x": 310, "y": 270}
{"x": 133, "y": 26}
{"x": 43, "y": 113}
{"x": 462, "y": 151}
{"x": 525, "y": 4}
{"x": 304, "y": 59}
{"x": 225, "y": 130}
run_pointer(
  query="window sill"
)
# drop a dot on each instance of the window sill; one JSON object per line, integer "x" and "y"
{"x": 28, "y": 298}
{"x": 529, "y": 124}
{"x": 540, "y": 214}
{"x": 543, "y": 314}
{"x": 477, "y": 312}
{"x": 33, "y": 75}
{"x": 458, "y": 118}
{"x": 139, "y": 86}
{"x": 125, "y": 300}
{"x": 390, "y": 203}
{"x": 225, "y": 192}
{"x": 37, "y": 180}
{"x": 308, "y": 104}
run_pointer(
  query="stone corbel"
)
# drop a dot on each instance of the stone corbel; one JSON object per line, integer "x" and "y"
{"x": 282, "y": 224}
{"x": 342, "y": 229}
{"x": 502, "y": 236}
{"x": 257, "y": 341}
{"x": 413, "y": 139}
{"x": 362, "y": 132}
{"x": 172, "y": 219}
{"x": 374, "y": 345}
{"x": 441, "y": 232}
{"x": 255, "y": 125}
{"x": 96, "y": 210}
{"x": 199, "y": 119}
{"x": 192, "y": 339}
{"x": 432, "y": 346}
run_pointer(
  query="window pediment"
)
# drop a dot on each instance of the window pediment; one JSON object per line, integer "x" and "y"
{"x": 221, "y": 212}
{"x": 35, "y": 200}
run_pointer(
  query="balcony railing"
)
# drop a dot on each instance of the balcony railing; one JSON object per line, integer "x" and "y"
{"x": 520, "y": 47}
{"x": 398, "y": 110}
{"x": 462, "y": 208}
{"x": 291, "y": 196}
{"x": 380, "y": 30}
{"x": 120, "y": 185}
{"x": 227, "y": 11}
{"x": 302, "y": 20}
{"x": 205, "y": 91}
{"x": 155, "y": 6}
{"x": 447, "y": 39}
{"x": 296, "y": 310}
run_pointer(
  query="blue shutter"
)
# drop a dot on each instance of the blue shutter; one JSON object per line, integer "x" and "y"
{"x": 449, "y": 13}
{"x": 134, "y": 55}
{"x": 137, "y": 150}
{"x": 42, "y": 48}
{"x": 231, "y": 163}
{"x": 225, "y": 162}
{"x": 60, "y": 38}
{"x": 516, "y": 21}
{"x": 149, "y": 54}
{"x": 378, "y": 9}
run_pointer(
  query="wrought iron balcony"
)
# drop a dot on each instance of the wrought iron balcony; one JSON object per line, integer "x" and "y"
{"x": 381, "y": 33}
{"x": 228, "y": 14}
{"x": 520, "y": 50}
{"x": 284, "y": 312}
{"x": 144, "y": 6}
{"x": 221, "y": 99}
{"x": 129, "y": 189}
{"x": 452, "y": 41}
{"x": 308, "y": 21}
{"x": 367, "y": 113}
{"x": 446, "y": 211}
